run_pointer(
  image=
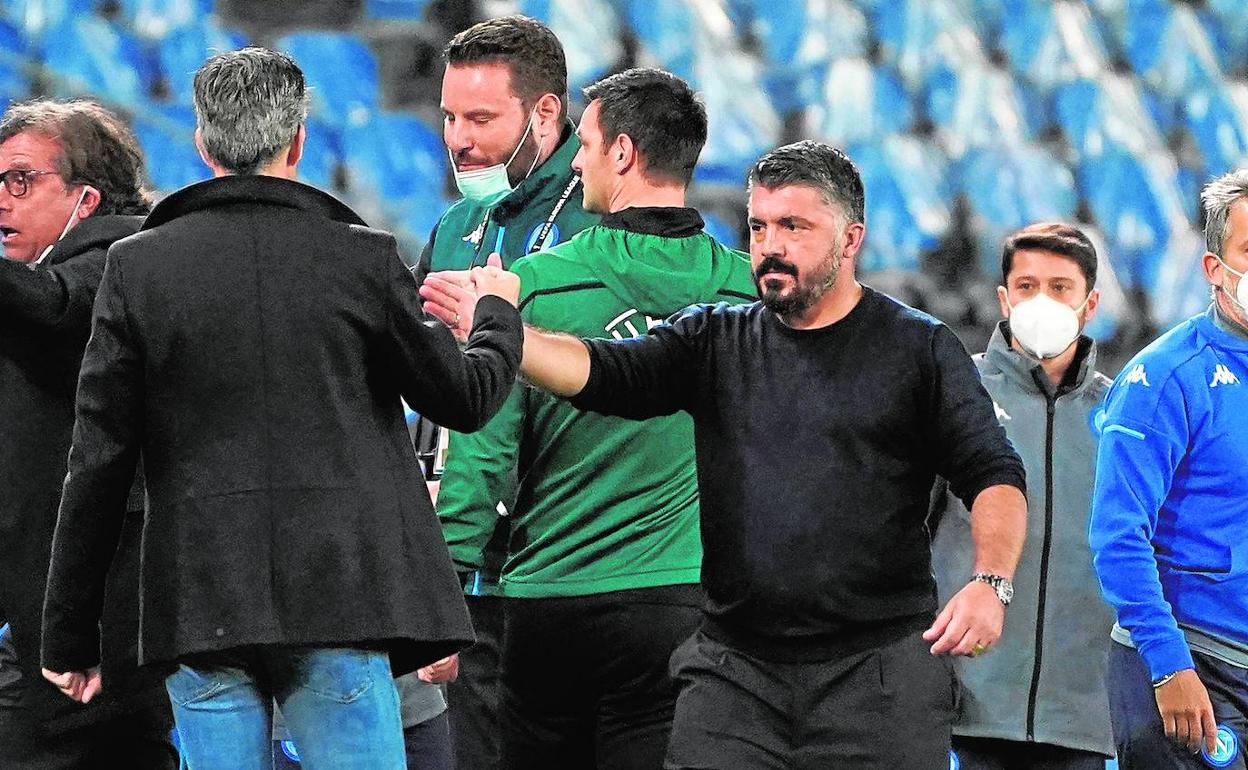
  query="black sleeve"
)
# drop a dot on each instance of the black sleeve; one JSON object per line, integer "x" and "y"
{"x": 106, "y": 441}
{"x": 458, "y": 389}
{"x": 972, "y": 450}
{"x": 55, "y": 299}
{"x": 644, "y": 377}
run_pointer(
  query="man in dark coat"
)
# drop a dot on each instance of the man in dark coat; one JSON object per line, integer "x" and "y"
{"x": 72, "y": 184}
{"x": 254, "y": 340}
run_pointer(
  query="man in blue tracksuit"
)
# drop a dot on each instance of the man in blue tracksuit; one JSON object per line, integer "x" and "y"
{"x": 1169, "y": 526}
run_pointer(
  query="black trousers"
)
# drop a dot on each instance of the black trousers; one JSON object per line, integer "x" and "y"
{"x": 473, "y": 698}
{"x": 990, "y": 754}
{"x": 882, "y": 709}
{"x": 1138, "y": 732}
{"x": 141, "y": 740}
{"x": 585, "y": 679}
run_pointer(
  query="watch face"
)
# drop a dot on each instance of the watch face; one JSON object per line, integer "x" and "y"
{"x": 1006, "y": 589}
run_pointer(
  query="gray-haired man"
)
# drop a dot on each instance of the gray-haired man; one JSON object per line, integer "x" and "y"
{"x": 254, "y": 340}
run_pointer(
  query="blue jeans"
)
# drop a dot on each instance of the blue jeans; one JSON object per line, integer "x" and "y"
{"x": 1138, "y": 732}
{"x": 341, "y": 707}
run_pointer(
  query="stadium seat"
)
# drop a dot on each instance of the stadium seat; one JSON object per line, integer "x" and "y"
{"x": 1109, "y": 109}
{"x": 322, "y": 154}
{"x": 157, "y": 18}
{"x": 917, "y": 35}
{"x": 798, "y": 40}
{"x": 1226, "y": 22}
{"x": 184, "y": 49}
{"x": 1169, "y": 49}
{"x": 907, "y": 208}
{"x": 1218, "y": 120}
{"x": 35, "y": 17}
{"x": 93, "y": 57}
{"x": 1052, "y": 43}
{"x": 168, "y": 143}
{"x": 1138, "y": 204}
{"x": 975, "y": 105}
{"x": 590, "y": 49}
{"x": 394, "y": 158}
{"x": 396, "y": 10}
{"x": 341, "y": 72}
{"x": 665, "y": 31}
{"x": 860, "y": 101}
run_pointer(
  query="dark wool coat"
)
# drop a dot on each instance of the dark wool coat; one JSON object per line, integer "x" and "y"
{"x": 254, "y": 341}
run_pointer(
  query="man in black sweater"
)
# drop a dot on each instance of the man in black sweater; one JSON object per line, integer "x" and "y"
{"x": 822, "y": 415}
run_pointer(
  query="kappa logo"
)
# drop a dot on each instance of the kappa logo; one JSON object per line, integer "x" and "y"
{"x": 1223, "y": 376}
{"x": 625, "y": 320}
{"x": 1002, "y": 415}
{"x": 1137, "y": 375}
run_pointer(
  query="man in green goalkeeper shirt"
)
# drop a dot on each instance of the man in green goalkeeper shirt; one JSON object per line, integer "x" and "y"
{"x": 604, "y": 557}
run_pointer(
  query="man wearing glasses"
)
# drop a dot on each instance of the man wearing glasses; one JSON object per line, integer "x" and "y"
{"x": 71, "y": 183}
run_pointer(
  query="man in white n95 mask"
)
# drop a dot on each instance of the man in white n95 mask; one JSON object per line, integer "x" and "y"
{"x": 1052, "y": 657}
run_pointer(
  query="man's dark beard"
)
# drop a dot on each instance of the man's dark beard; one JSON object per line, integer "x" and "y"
{"x": 803, "y": 296}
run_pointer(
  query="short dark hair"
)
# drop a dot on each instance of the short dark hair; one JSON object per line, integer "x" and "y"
{"x": 1055, "y": 237}
{"x": 249, "y": 104}
{"x": 818, "y": 165}
{"x": 659, "y": 112}
{"x": 97, "y": 148}
{"x": 527, "y": 46}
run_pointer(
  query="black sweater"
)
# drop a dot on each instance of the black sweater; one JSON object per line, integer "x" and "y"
{"x": 816, "y": 454}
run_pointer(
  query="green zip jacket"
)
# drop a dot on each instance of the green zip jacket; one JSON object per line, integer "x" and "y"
{"x": 604, "y": 504}
{"x": 478, "y": 475}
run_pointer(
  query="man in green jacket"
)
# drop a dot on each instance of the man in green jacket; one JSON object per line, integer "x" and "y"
{"x": 604, "y": 559}
{"x": 506, "y": 128}
{"x": 1039, "y": 699}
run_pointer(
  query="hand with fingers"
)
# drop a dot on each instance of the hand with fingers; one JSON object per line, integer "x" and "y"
{"x": 451, "y": 296}
{"x": 82, "y": 686}
{"x": 1186, "y": 712}
{"x": 445, "y": 670}
{"x": 969, "y": 624}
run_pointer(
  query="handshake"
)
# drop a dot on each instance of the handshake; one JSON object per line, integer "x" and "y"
{"x": 451, "y": 295}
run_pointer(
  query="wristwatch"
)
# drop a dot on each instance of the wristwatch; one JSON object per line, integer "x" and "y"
{"x": 1003, "y": 586}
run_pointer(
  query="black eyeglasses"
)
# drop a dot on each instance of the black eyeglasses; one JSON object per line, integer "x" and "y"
{"x": 17, "y": 180}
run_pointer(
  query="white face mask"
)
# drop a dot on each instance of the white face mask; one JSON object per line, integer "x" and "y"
{"x": 1241, "y": 290}
{"x": 73, "y": 219}
{"x": 491, "y": 184}
{"x": 1044, "y": 326}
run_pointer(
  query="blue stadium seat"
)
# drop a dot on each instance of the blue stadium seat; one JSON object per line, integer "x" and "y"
{"x": 1052, "y": 43}
{"x": 167, "y": 139}
{"x": 723, "y": 231}
{"x": 394, "y": 158}
{"x": 1138, "y": 204}
{"x": 1186, "y": 292}
{"x": 157, "y": 18}
{"x": 96, "y": 58}
{"x": 1226, "y": 21}
{"x": 798, "y": 40}
{"x": 1169, "y": 49}
{"x": 744, "y": 127}
{"x": 342, "y": 74}
{"x": 12, "y": 42}
{"x": 1010, "y": 187}
{"x": 14, "y": 84}
{"x": 589, "y": 48}
{"x": 860, "y": 101}
{"x": 1108, "y": 110}
{"x": 976, "y": 105}
{"x": 906, "y": 204}
{"x": 396, "y": 10}
{"x": 322, "y": 153}
{"x": 183, "y": 50}
{"x": 35, "y": 17}
{"x": 1218, "y": 120}
{"x": 665, "y": 30}
{"x": 917, "y": 35}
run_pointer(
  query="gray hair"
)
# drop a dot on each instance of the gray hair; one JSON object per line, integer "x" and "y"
{"x": 248, "y": 106}
{"x": 1217, "y": 199}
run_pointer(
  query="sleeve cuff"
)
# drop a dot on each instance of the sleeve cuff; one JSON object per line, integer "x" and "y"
{"x": 1166, "y": 656}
